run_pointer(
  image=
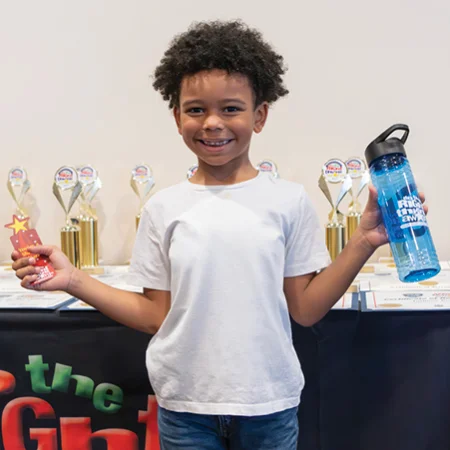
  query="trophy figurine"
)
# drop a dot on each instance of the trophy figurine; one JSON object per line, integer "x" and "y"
{"x": 356, "y": 169}
{"x": 334, "y": 172}
{"x": 66, "y": 189}
{"x": 18, "y": 185}
{"x": 90, "y": 185}
{"x": 266, "y": 165}
{"x": 142, "y": 182}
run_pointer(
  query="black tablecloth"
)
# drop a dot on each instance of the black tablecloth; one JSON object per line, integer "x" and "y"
{"x": 383, "y": 381}
{"x": 374, "y": 381}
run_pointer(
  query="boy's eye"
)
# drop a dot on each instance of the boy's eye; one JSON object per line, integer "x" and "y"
{"x": 196, "y": 110}
{"x": 232, "y": 109}
{"x": 227, "y": 109}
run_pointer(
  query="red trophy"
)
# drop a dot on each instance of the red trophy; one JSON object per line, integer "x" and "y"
{"x": 22, "y": 240}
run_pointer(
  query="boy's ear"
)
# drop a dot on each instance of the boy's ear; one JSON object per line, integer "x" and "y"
{"x": 176, "y": 115}
{"x": 261, "y": 113}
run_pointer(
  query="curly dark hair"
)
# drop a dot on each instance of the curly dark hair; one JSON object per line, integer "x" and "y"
{"x": 226, "y": 45}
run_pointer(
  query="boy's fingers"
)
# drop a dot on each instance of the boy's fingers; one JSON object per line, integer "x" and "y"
{"x": 45, "y": 250}
{"x": 28, "y": 270}
{"x": 26, "y": 282}
{"x": 23, "y": 262}
{"x": 15, "y": 255}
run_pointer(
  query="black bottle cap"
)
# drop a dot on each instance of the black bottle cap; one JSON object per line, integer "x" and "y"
{"x": 382, "y": 146}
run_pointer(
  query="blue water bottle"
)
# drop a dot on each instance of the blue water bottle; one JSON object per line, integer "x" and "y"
{"x": 403, "y": 215}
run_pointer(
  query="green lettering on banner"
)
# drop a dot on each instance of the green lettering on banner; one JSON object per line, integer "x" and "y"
{"x": 106, "y": 397}
{"x": 106, "y": 392}
{"x": 62, "y": 377}
{"x": 37, "y": 367}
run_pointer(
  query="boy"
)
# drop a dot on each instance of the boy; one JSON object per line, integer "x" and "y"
{"x": 224, "y": 257}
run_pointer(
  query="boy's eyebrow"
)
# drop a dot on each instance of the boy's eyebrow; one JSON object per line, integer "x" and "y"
{"x": 191, "y": 102}
{"x": 233, "y": 100}
{"x": 225, "y": 100}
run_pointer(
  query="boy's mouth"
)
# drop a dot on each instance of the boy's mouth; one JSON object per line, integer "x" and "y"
{"x": 215, "y": 145}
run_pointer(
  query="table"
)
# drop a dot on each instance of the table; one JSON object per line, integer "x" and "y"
{"x": 113, "y": 387}
{"x": 373, "y": 381}
{"x": 383, "y": 381}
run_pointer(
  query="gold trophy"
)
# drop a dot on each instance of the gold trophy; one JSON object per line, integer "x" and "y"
{"x": 191, "y": 171}
{"x": 357, "y": 170}
{"x": 142, "y": 182}
{"x": 334, "y": 172}
{"x": 67, "y": 188}
{"x": 90, "y": 185}
{"x": 18, "y": 185}
{"x": 266, "y": 165}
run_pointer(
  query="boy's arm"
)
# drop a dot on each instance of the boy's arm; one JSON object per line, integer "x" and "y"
{"x": 144, "y": 312}
{"x": 311, "y": 296}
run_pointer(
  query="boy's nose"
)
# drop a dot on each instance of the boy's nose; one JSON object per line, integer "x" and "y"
{"x": 212, "y": 122}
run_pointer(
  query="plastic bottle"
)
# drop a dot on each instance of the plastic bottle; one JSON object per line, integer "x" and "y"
{"x": 402, "y": 211}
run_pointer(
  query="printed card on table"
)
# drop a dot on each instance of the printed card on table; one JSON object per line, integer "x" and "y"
{"x": 406, "y": 301}
{"x": 347, "y": 301}
{"x": 391, "y": 282}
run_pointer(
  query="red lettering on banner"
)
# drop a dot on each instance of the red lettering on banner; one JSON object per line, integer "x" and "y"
{"x": 7, "y": 382}
{"x": 46, "y": 438}
{"x": 76, "y": 434}
{"x": 12, "y": 425}
{"x": 150, "y": 418}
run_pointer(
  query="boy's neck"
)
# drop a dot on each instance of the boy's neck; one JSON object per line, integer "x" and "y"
{"x": 231, "y": 173}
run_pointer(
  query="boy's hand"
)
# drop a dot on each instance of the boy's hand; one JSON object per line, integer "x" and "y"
{"x": 371, "y": 226}
{"x": 26, "y": 271}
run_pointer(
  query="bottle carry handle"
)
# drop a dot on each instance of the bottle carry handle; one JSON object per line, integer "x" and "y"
{"x": 399, "y": 126}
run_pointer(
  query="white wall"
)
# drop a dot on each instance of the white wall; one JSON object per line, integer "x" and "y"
{"x": 75, "y": 89}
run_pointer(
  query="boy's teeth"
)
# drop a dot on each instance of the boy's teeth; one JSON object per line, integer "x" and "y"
{"x": 216, "y": 143}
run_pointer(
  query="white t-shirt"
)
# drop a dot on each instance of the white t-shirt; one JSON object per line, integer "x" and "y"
{"x": 225, "y": 346}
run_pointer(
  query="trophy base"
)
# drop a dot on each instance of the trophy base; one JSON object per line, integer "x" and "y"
{"x": 386, "y": 260}
{"x": 368, "y": 268}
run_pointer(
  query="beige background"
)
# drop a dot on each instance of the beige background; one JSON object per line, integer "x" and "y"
{"x": 75, "y": 89}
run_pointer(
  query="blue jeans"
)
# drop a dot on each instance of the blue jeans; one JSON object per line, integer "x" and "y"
{"x": 187, "y": 431}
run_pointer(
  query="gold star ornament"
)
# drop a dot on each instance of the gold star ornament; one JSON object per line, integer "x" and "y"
{"x": 18, "y": 224}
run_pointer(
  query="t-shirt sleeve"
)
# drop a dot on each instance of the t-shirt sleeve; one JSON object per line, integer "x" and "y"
{"x": 306, "y": 250}
{"x": 149, "y": 267}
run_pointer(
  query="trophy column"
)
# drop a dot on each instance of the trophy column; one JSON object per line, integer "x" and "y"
{"x": 66, "y": 189}
{"x": 91, "y": 184}
{"x": 334, "y": 172}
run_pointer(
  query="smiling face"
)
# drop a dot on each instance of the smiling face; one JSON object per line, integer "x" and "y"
{"x": 216, "y": 116}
